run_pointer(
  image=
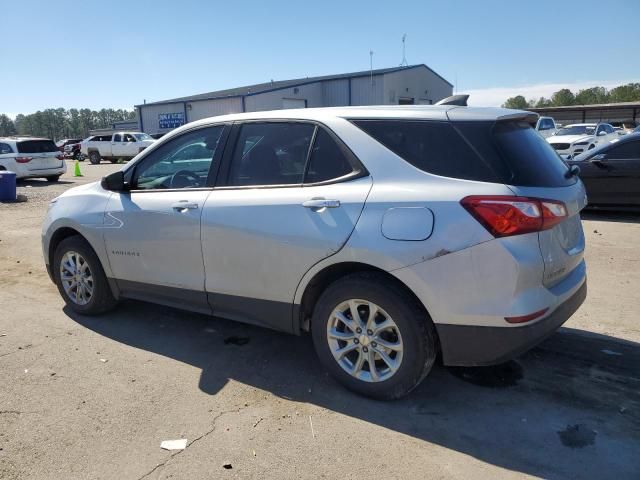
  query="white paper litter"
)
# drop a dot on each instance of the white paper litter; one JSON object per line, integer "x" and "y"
{"x": 174, "y": 444}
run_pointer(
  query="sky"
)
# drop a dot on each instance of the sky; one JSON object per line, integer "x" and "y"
{"x": 120, "y": 53}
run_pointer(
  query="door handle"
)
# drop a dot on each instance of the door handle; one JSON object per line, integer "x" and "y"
{"x": 319, "y": 203}
{"x": 184, "y": 205}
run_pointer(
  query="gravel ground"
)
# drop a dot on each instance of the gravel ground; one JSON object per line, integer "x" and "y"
{"x": 93, "y": 397}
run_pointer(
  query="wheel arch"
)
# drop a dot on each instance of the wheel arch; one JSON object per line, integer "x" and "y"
{"x": 331, "y": 273}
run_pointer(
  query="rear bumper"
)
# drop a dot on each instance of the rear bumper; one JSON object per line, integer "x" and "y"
{"x": 481, "y": 345}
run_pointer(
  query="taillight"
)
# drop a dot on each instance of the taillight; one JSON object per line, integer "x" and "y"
{"x": 23, "y": 159}
{"x": 60, "y": 157}
{"x": 504, "y": 215}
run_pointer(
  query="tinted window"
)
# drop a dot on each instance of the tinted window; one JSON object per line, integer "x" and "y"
{"x": 546, "y": 124}
{"x": 117, "y": 137}
{"x": 183, "y": 162}
{"x": 4, "y": 148}
{"x": 328, "y": 161}
{"x": 270, "y": 154}
{"x": 433, "y": 147}
{"x": 519, "y": 155}
{"x": 37, "y": 146}
{"x": 625, "y": 150}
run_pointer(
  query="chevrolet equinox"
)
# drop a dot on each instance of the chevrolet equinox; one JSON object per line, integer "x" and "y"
{"x": 391, "y": 234}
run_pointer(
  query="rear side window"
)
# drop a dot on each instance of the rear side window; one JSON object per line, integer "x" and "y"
{"x": 5, "y": 148}
{"x": 37, "y": 146}
{"x": 517, "y": 153}
{"x": 433, "y": 147}
{"x": 270, "y": 153}
{"x": 328, "y": 161}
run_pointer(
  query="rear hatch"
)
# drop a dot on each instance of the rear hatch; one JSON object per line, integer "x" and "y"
{"x": 44, "y": 154}
{"x": 530, "y": 167}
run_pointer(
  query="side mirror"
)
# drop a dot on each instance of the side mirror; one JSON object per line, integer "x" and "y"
{"x": 602, "y": 133}
{"x": 114, "y": 182}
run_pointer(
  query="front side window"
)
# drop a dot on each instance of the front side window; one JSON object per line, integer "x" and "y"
{"x": 270, "y": 153}
{"x": 129, "y": 138}
{"x": 625, "y": 150}
{"x": 183, "y": 162}
{"x": 328, "y": 161}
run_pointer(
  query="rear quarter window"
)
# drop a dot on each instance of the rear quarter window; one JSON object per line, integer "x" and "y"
{"x": 432, "y": 146}
{"x": 37, "y": 146}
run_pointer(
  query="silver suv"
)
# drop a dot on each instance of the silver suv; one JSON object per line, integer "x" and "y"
{"x": 392, "y": 234}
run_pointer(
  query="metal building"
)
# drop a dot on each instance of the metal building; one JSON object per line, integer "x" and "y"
{"x": 414, "y": 84}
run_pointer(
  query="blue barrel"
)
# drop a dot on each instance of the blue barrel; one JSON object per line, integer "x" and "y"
{"x": 7, "y": 186}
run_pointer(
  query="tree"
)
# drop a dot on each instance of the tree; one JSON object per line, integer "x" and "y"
{"x": 562, "y": 98}
{"x": 625, "y": 93}
{"x": 57, "y": 123}
{"x": 518, "y": 102}
{"x": 591, "y": 96}
{"x": 543, "y": 102}
{"x": 7, "y": 127}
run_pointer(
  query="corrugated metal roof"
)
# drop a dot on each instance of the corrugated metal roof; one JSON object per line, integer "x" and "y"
{"x": 280, "y": 84}
{"x": 596, "y": 106}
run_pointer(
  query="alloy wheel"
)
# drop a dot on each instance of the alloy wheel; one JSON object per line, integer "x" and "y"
{"x": 76, "y": 278}
{"x": 364, "y": 340}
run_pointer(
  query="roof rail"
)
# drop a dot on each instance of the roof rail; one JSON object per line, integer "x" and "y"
{"x": 459, "y": 100}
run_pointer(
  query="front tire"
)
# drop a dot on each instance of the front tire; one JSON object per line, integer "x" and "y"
{"x": 80, "y": 277}
{"x": 390, "y": 347}
{"x": 94, "y": 157}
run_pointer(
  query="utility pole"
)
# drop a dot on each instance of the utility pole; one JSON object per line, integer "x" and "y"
{"x": 404, "y": 62}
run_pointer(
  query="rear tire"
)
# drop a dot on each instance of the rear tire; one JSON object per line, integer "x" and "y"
{"x": 74, "y": 259}
{"x": 114, "y": 160}
{"x": 411, "y": 336}
{"x": 94, "y": 157}
{"x": 53, "y": 178}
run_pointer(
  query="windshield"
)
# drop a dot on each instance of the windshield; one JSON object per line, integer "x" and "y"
{"x": 142, "y": 136}
{"x": 577, "y": 130}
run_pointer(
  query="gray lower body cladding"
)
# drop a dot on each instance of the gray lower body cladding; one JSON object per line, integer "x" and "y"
{"x": 466, "y": 345}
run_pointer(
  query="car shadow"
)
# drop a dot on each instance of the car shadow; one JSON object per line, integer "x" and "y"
{"x": 611, "y": 215}
{"x": 40, "y": 183}
{"x": 570, "y": 408}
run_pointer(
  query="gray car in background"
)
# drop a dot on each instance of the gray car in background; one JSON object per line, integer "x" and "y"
{"x": 392, "y": 234}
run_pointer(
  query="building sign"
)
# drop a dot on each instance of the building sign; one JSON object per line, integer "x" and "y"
{"x": 170, "y": 120}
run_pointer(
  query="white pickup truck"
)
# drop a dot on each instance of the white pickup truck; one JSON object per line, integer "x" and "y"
{"x": 114, "y": 146}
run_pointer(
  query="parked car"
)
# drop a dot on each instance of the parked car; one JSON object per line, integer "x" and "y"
{"x": 32, "y": 157}
{"x": 546, "y": 126}
{"x": 73, "y": 151}
{"x": 61, "y": 144}
{"x": 114, "y": 146}
{"x": 611, "y": 172}
{"x": 380, "y": 230}
{"x": 576, "y": 138}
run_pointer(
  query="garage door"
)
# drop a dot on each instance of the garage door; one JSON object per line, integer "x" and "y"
{"x": 294, "y": 103}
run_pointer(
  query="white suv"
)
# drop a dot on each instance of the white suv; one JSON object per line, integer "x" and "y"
{"x": 391, "y": 233}
{"x": 32, "y": 157}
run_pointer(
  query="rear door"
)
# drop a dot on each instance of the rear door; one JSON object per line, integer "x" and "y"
{"x": 44, "y": 154}
{"x": 291, "y": 196}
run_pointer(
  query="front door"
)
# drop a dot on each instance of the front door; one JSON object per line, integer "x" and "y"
{"x": 284, "y": 207}
{"x": 152, "y": 233}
